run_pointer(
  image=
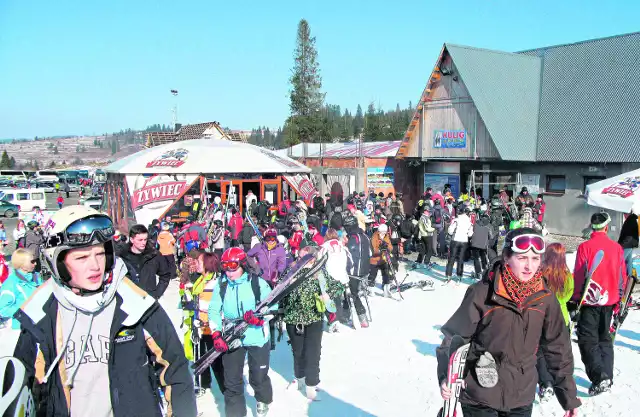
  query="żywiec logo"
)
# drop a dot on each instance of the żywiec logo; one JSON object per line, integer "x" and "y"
{"x": 173, "y": 158}
{"x": 155, "y": 190}
{"x": 625, "y": 188}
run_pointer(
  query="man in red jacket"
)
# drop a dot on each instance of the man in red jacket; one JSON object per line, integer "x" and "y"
{"x": 235, "y": 226}
{"x": 602, "y": 293}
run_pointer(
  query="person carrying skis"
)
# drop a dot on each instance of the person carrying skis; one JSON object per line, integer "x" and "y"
{"x": 507, "y": 318}
{"x": 304, "y": 318}
{"x": 339, "y": 262}
{"x": 235, "y": 299}
{"x": 359, "y": 247}
{"x": 95, "y": 343}
{"x": 599, "y": 296}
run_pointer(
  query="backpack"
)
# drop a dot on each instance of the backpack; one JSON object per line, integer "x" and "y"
{"x": 437, "y": 217}
{"x": 406, "y": 228}
{"x": 255, "y": 286}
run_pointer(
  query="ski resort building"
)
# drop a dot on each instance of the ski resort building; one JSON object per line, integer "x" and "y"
{"x": 552, "y": 119}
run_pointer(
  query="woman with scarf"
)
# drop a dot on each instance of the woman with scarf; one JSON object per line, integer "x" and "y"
{"x": 19, "y": 286}
{"x": 507, "y": 318}
{"x": 199, "y": 294}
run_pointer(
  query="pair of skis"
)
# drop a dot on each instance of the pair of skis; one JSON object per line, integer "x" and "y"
{"x": 625, "y": 304}
{"x": 458, "y": 351}
{"x": 288, "y": 283}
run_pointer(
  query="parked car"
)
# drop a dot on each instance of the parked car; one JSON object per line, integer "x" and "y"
{"x": 48, "y": 186}
{"x": 8, "y": 209}
{"x": 94, "y": 202}
{"x": 27, "y": 198}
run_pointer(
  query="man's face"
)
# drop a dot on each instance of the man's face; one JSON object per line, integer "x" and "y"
{"x": 86, "y": 267}
{"x": 139, "y": 242}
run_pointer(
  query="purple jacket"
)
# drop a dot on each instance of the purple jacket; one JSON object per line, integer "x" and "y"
{"x": 271, "y": 262}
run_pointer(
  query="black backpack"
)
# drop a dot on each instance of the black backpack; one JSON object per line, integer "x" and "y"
{"x": 437, "y": 217}
{"x": 406, "y": 229}
{"x": 255, "y": 286}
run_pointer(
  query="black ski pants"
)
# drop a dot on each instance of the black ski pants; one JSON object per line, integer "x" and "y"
{"x": 482, "y": 411}
{"x": 458, "y": 250}
{"x": 306, "y": 349}
{"x": 233, "y": 362}
{"x": 373, "y": 274}
{"x": 206, "y": 344}
{"x": 594, "y": 341}
{"x": 479, "y": 259}
{"x": 354, "y": 289}
{"x": 426, "y": 250}
{"x": 442, "y": 243}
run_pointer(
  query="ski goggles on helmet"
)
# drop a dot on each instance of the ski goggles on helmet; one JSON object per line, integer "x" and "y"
{"x": 270, "y": 238}
{"x": 230, "y": 265}
{"x": 84, "y": 232}
{"x": 523, "y": 243}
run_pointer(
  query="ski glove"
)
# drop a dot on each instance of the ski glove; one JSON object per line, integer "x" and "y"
{"x": 218, "y": 342}
{"x": 252, "y": 320}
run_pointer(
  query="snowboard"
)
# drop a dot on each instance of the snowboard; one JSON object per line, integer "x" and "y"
{"x": 16, "y": 399}
{"x": 458, "y": 350}
{"x": 620, "y": 313}
{"x": 289, "y": 282}
{"x": 594, "y": 265}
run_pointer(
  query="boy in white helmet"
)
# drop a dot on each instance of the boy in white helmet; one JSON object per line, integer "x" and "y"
{"x": 91, "y": 338}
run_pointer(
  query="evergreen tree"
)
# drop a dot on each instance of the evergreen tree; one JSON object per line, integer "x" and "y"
{"x": 35, "y": 165}
{"x": 5, "y": 162}
{"x": 305, "y": 95}
{"x": 358, "y": 122}
{"x": 12, "y": 162}
{"x": 114, "y": 148}
{"x": 52, "y": 164}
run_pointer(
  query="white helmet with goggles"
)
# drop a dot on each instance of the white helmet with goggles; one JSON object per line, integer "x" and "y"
{"x": 76, "y": 227}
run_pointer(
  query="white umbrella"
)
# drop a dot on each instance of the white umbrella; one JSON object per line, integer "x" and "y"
{"x": 206, "y": 156}
{"x": 618, "y": 193}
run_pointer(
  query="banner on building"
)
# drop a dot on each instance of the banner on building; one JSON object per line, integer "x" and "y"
{"x": 380, "y": 178}
{"x": 302, "y": 185}
{"x": 438, "y": 182}
{"x": 443, "y": 138}
{"x": 531, "y": 181}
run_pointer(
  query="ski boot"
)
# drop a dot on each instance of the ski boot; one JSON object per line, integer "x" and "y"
{"x": 603, "y": 386}
{"x": 312, "y": 393}
{"x": 387, "y": 290}
{"x": 545, "y": 392}
{"x": 262, "y": 409}
{"x": 298, "y": 384}
{"x": 364, "y": 323}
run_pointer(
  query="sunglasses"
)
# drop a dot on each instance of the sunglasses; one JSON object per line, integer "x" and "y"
{"x": 230, "y": 265}
{"x": 523, "y": 243}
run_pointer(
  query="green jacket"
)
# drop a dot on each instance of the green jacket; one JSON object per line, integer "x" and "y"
{"x": 565, "y": 297}
{"x": 300, "y": 305}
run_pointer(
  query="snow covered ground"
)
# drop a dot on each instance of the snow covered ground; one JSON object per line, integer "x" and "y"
{"x": 390, "y": 368}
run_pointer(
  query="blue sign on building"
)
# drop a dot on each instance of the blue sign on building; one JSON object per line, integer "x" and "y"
{"x": 443, "y": 138}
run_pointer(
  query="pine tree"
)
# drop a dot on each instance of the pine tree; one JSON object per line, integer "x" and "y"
{"x": 114, "y": 147}
{"x": 306, "y": 83}
{"x": 35, "y": 165}
{"x": 12, "y": 162}
{"x": 5, "y": 162}
{"x": 358, "y": 122}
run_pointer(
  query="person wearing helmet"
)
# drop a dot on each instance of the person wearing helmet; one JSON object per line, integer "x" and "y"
{"x": 33, "y": 241}
{"x": 507, "y": 318}
{"x": 90, "y": 337}
{"x": 380, "y": 242}
{"x": 144, "y": 262}
{"x": 216, "y": 237}
{"x": 270, "y": 256}
{"x": 236, "y": 298}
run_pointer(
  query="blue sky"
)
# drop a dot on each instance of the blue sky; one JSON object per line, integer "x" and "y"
{"x": 85, "y": 67}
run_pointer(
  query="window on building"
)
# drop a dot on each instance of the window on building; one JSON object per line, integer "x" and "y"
{"x": 556, "y": 184}
{"x": 590, "y": 180}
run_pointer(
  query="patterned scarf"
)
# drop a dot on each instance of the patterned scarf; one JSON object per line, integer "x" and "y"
{"x": 519, "y": 290}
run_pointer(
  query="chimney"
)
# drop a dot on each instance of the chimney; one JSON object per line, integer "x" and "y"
{"x": 177, "y": 127}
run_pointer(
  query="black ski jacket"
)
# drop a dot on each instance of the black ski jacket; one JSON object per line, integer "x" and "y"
{"x": 143, "y": 273}
{"x": 360, "y": 247}
{"x": 141, "y": 334}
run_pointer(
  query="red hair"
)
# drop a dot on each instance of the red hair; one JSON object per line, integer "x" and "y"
{"x": 554, "y": 267}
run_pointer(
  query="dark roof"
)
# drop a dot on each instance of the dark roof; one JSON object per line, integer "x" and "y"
{"x": 505, "y": 89}
{"x": 590, "y": 100}
{"x": 159, "y": 138}
{"x": 195, "y": 131}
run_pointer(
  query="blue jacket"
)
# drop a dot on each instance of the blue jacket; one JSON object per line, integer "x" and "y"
{"x": 15, "y": 291}
{"x": 3, "y": 235}
{"x": 238, "y": 299}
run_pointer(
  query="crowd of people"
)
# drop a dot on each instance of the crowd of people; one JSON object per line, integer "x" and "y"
{"x": 104, "y": 287}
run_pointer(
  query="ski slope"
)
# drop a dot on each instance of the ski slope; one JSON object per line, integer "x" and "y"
{"x": 390, "y": 369}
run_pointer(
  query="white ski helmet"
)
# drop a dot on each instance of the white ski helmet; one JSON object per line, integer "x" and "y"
{"x": 76, "y": 227}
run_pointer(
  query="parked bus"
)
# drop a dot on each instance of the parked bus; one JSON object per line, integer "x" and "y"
{"x": 47, "y": 176}
{"x": 15, "y": 175}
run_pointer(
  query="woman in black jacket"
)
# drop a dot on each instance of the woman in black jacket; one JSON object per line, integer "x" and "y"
{"x": 629, "y": 238}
